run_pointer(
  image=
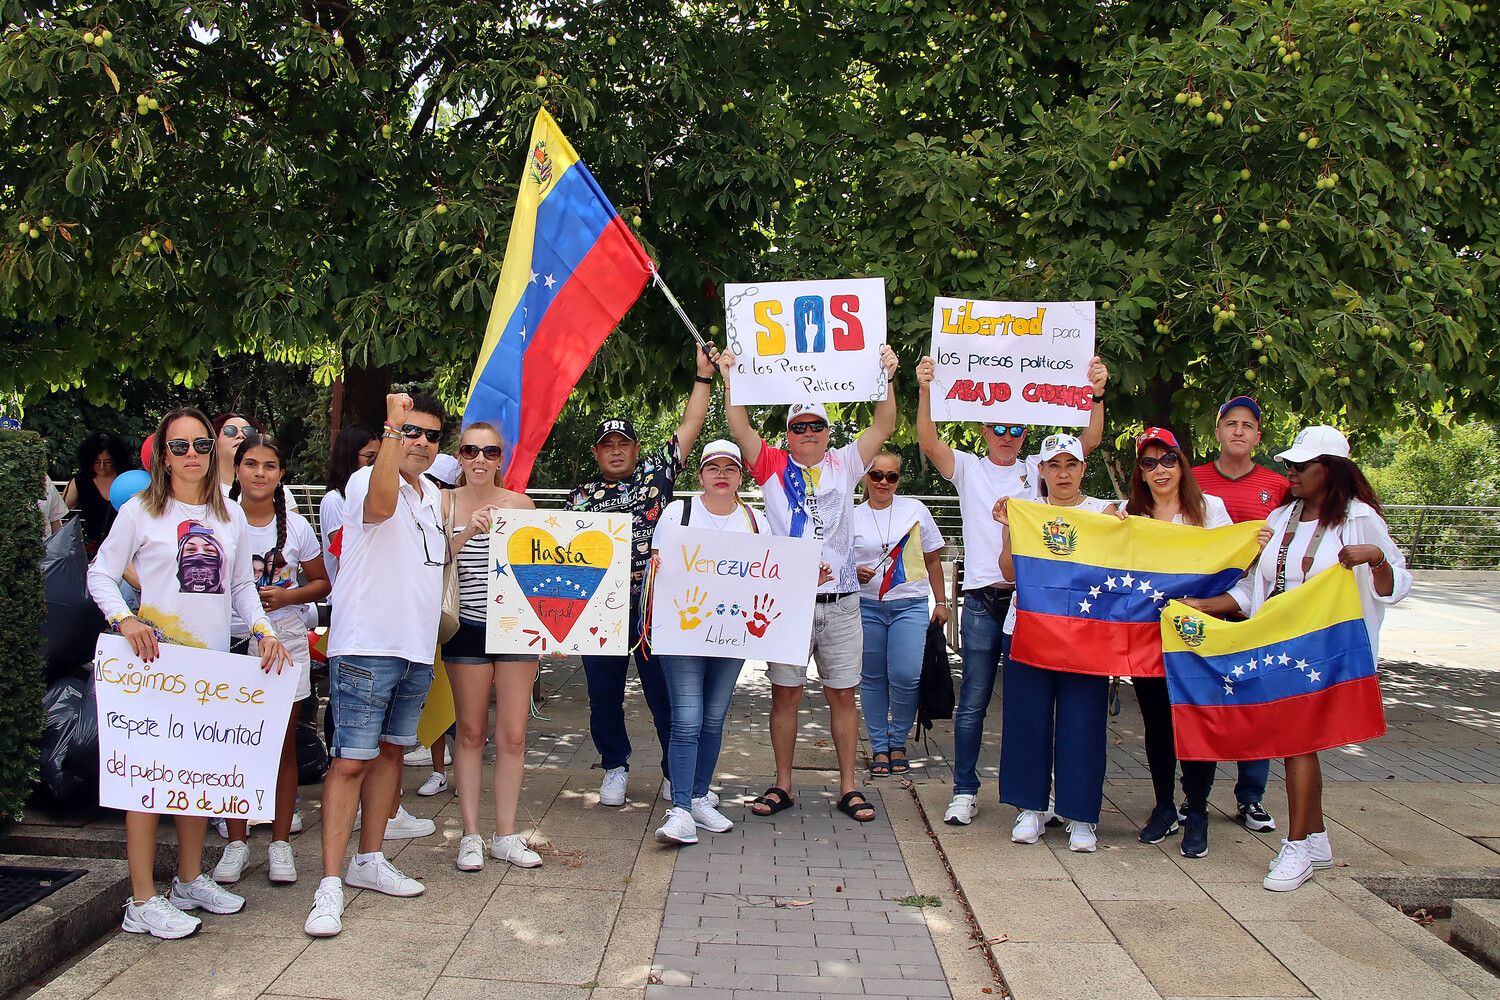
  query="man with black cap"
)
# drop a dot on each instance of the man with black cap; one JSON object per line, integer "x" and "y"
{"x": 641, "y": 487}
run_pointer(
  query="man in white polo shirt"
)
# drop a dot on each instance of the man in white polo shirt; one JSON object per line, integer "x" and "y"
{"x": 809, "y": 492}
{"x": 381, "y": 645}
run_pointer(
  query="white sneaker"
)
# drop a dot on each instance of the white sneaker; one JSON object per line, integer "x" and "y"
{"x": 514, "y": 850}
{"x": 612, "y": 788}
{"x": 436, "y": 782}
{"x": 1029, "y": 826}
{"x": 327, "y": 915}
{"x": 706, "y": 816}
{"x": 359, "y": 817}
{"x": 1081, "y": 837}
{"x": 158, "y": 918}
{"x": 382, "y": 876}
{"x": 470, "y": 853}
{"x": 1293, "y": 867}
{"x": 1319, "y": 852}
{"x": 405, "y": 826}
{"x": 283, "y": 867}
{"x": 962, "y": 810}
{"x": 420, "y": 757}
{"x": 221, "y": 827}
{"x": 205, "y": 892}
{"x": 232, "y": 862}
{"x": 678, "y": 829}
{"x": 297, "y": 821}
{"x": 666, "y": 789}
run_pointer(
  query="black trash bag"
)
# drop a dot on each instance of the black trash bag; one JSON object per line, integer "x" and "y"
{"x": 70, "y": 745}
{"x": 72, "y": 625}
{"x": 312, "y": 754}
{"x": 935, "y": 687}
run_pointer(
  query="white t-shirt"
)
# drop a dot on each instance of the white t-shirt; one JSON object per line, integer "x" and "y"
{"x": 291, "y": 501}
{"x": 1093, "y": 505}
{"x": 330, "y": 520}
{"x": 875, "y": 531}
{"x": 702, "y": 517}
{"x": 815, "y": 502}
{"x": 1215, "y": 514}
{"x": 387, "y": 598}
{"x": 52, "y": 507}
{"x": 980, "y": 484}
{"x": 301, "y": 545}
{"x": 193, "y": 569}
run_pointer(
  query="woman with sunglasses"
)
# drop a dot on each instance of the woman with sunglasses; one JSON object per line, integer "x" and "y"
{"x": 230, "y": 429}
{"x": 893, "y": 609}
{"x": 473, "y": 673}
{"x": 191, "y": 552}
{"x": 1162, "y": 488}
{"x": 1330, "y": 516}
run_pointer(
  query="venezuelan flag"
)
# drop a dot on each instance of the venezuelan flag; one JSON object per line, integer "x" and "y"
{"x": 1296, "y": 678}
{"x": 1090, "y": 587}
{"x": 904, "y": 562}
{"x": 572, "y": 269}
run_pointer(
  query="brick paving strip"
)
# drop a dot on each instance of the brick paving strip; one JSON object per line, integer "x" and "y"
{"x": 805, "y": 903}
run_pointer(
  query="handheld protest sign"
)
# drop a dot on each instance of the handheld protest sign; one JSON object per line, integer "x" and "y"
{"x": 1012, "y": 362}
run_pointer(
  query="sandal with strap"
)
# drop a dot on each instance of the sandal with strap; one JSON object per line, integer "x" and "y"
{"x": 899, "y": 765}
{"x": 861, "y": 812}
{"x": 774, "y": 799}
{"x": 880, "y": 768}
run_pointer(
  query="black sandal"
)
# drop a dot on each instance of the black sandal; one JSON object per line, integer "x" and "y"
{"x": 782, "y": 800}
{"x": 861, "y": 812}
{"x": 899, "y": 765}
{"x": 880, "y": 768}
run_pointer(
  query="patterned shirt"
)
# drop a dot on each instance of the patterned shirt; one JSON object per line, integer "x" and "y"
{"x": 643, "y": 495}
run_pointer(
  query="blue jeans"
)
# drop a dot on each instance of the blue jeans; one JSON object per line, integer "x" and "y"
{"x": 701, "y": 688}
{"x": 984, "y": 647}
{"x": 375, "y": 700}
{"x": 1054, "y": 724}
{"x": 1252, "y": 784}
{"x": 606, "y": 676}
{"x": 895, "y": 641}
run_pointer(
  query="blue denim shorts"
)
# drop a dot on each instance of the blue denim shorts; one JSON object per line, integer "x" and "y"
{"x": 375, "y": 699}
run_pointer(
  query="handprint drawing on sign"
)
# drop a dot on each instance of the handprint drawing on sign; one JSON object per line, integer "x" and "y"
{"x": 759, "y": 618}
{"x": 690, "y": 609}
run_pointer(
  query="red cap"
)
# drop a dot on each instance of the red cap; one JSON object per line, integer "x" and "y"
{"x": 1158, "y": 435}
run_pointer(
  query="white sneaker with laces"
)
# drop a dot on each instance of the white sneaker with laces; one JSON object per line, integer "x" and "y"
{"x": 1029, "y": 826}
{"x": 417, "y": 757}
{"x": 706, "y": 816}
{"x": 1081, "y": 837}
{"x": 1319, "y": 852}
{"x": 206, "y": 893}
{"x": 158, "y": 918}
{"x": 678, "y": 829}
{"x": 382, "y": 876}
{"x": 612, "y": 788}
{"x": 327, "y": 915}
{"x": 405, "y": 826}
{"x": 470, "y": 853}
{"x": 436, "y": 782}
{"x": 282, "y": 869}
{"x": 514, "y": 850}
{"x": 221, "y": 827}
{"x": 962, "y": 810}
{"x": 297, "y": 821}
{"x": 231, "y": 866}
{"x": 1293, "y": 867}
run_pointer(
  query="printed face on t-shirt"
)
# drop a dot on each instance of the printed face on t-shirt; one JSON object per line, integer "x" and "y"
{"x": 200, "y": 559}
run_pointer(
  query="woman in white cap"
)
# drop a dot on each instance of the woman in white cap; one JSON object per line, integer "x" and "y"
{"x": 1053, "y": 722}
{"x": 701, "y": 686}
{"x": 1330, "y": 516}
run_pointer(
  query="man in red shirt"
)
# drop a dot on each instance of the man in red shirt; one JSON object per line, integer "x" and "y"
{"x": 1250, "y": 492}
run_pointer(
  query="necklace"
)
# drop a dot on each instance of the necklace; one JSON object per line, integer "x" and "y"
{"x": 885, "y": 532}
{"x": 719, "y": 521}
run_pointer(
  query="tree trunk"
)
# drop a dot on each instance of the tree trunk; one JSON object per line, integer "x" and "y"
{"x": 1159, "y": 392}
{"x": 364, "y": 395}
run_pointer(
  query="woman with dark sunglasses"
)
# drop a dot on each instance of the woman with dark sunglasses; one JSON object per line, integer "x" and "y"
{"x": 893, "y": 608}
{"x": 191, "y": 552}
{"x": 230, "y": 429}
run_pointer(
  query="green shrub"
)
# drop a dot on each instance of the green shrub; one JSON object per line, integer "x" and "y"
{"x": 22, "y": 465}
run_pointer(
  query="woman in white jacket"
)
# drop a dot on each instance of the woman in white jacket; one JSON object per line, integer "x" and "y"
{"x": 1330, "y": 516}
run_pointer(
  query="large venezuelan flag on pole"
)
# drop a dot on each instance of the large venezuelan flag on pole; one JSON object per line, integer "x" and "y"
{"x": 1296, "y": 678}
{"x": 1090, "y": 587}
{"x": 572, "y": 269}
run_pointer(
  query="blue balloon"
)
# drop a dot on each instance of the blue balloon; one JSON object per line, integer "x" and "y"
{"x": 127, "y": 485}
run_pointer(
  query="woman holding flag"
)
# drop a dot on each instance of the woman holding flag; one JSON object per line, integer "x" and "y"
{"x": 1330, "y": 517}
{"x": 897, "y": 554}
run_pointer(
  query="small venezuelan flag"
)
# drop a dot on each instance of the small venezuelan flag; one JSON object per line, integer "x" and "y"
{"x": 904, "y": 562}
{"x": 1297, "y": 678}
{"x": 1090, "y": 587}
{"x": 572, "y": 269}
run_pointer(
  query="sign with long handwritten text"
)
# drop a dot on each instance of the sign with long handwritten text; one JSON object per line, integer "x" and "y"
{"x": 559, "y": 583}
{"x": 193, "y": 733}
{"x": 1012, "y": 362}
{"x": 814, "y": 341}
{"x": 734, "y": 594}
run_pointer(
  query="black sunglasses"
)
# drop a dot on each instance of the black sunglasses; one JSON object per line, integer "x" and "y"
{"x": 1004, "y": 429}
{"x": 808, "y": 427}
{"x": 179, "y": 446}
{"x": 412, "y": 432}
{"x": 234, "y": 430}
{"x": 1300, "y": 467}
{"x": 885, "y": 477}
{"x": 1167, "y": 461}
{"x": 493, "y": 452}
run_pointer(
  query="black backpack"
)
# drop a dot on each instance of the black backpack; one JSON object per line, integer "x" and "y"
{"x": 935, "y": 688}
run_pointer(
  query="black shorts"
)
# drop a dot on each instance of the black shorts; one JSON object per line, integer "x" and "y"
{"x": 467, "y": 646}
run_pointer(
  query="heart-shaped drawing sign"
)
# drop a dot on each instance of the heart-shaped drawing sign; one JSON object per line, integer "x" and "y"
{"x": 558, "y": 580}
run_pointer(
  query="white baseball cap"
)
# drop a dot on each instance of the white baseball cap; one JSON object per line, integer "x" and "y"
{"x": 1315, "y": 442}
{"x": 1060, "y": 444}
{"x": 806, "y": 410}
{"x": 721, "y": 449}
{"x": 445, "y": 469}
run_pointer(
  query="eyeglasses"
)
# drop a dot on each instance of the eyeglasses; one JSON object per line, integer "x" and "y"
{"x": 1003, "y": 429}
{"x": 179, "y": 446}
{"x": 427, "y": 559}
{"x": 1167, "y": 461}
{"x": 493, "y": 452}
{"x": 1299, "y": 467}
{"x": 235, "y": 430}
{"x": 808, "y": 427}
{"x": 877, "y": 476}
{"x": 412, "y": 432}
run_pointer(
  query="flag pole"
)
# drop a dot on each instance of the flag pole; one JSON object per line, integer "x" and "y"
{"x": 681, "y": 314}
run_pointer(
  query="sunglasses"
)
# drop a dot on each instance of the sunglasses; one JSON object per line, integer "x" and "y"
{"x": 885, "y": 477}
{"x": 235, "y": 430}
{"x": 808, "y": 427}
{"x": 1167, "y": 461}
{"x": 493, "y": 452}
{"x": 179, "y": 446}
{"x": 1299, "y": 467}
{"x": 1002, "y": 430}
{"x": 412, "y": 432}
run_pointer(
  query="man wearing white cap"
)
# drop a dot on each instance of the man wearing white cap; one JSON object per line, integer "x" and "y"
{"x": 809, "y": 492}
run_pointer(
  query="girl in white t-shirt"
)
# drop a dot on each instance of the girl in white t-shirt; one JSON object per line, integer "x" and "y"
{"x": 189, "y": 550}
{"x": 282, "y": 543}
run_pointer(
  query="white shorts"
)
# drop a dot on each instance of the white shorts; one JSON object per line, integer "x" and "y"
{"x": 292, "y": 631}
{"x": 838, "y": 647}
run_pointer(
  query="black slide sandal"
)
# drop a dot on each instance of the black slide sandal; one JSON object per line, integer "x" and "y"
{"x": 861, "y": 812}
{"x": 783, "y": 800}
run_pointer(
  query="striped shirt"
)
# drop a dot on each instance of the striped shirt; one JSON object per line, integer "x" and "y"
{"x": 473, "y": 577}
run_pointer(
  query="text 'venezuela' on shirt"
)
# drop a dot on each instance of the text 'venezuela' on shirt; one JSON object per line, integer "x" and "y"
{"x": 815, "y": 502}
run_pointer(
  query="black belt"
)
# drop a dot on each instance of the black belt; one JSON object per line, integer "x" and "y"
{"x": 830, "y": 598}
